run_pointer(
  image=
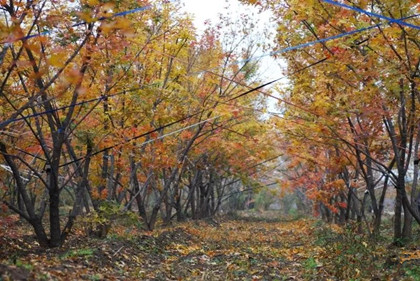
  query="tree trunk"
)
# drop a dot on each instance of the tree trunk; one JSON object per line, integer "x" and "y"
{"x": 398, "y": 210}
{"x": 378, "y": 218}
{"x": 408, "y": 218}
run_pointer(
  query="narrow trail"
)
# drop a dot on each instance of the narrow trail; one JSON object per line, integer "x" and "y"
{"x": 236, "y": 250}
{"x": 227, "y": 250}
{"x": 249, "y": 249}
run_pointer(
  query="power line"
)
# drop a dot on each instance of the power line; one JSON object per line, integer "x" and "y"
{"x": 256, "y": 88}
{"x": 102, "y": 97}
{"x": 287, "y": 49}
{"x": 179, "y": 120}
{"x": 323, "y": 40}
{"x": 359, "y": 10}
{"x": 238, "y": 96}
{"x": 275, "y": 80}
{"x": 182, "y": 119}
{"x": 49, "y": 111}
{"x": 253, "y": 166}
{"x": 161, "y": 127}
{"x": 178, "y": 131}
{"x": 119, "y": 14}
{"x": 134, "y": 138}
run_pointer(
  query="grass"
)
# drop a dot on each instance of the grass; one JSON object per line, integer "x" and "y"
{"x": 87, "y": 252}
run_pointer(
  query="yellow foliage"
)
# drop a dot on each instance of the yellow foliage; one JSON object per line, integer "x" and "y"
{"x": 57, "y": 60}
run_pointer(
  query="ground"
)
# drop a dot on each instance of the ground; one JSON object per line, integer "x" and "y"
{"x": 220, "y": 249}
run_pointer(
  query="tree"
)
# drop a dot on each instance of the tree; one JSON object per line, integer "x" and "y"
{"x": 363, "y": 92}
{"x": 116, "y": 110}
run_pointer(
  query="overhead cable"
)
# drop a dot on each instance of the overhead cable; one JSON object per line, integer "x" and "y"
{"x": 119, "y": 14}
{"x": 359, "y": 10}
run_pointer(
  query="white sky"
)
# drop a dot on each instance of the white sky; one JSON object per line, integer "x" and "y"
{"x": 203, "y": 10}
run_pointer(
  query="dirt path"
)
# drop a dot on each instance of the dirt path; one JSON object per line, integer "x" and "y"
{"x": 228, "y": 250}
{"x": 238, "y": 250}
{"x": 231, "y": 250}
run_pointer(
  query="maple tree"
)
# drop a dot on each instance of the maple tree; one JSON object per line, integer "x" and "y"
{"x": 357, "y": 106}
{"x": 118, "y": 118}
{"x": 115, "y": 109}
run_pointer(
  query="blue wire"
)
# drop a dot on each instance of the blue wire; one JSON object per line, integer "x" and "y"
{"x": 30, "y": 36}
{"x": 236, "y": 62}
{"x": 120, "y": 14}
{"x": 304, "y": 45}
{"x": 371, "y": 14}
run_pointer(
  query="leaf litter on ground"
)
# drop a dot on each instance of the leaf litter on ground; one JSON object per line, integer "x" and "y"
{"x": 232, "y": 249}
